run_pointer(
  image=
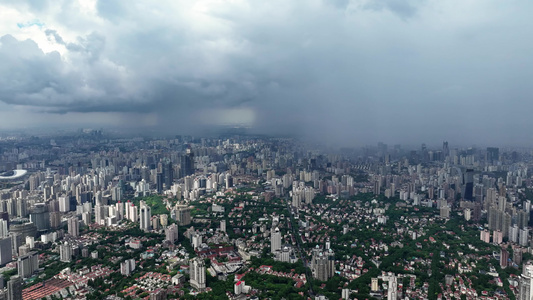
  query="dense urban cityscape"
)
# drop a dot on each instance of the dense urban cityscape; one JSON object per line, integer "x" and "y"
{"x": 273, "y": 150}
{"x": 91, "y": 215}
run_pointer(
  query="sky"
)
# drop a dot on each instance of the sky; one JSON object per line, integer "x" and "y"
{"x": 343, "y": 72}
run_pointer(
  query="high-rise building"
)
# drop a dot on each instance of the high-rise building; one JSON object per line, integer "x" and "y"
{"x": 468, "y": 185}
{"x": 22, "y": 208}
{"x": 145, "y": 216}
{"x": 127, "y": 266}
{"x": 159, "y": 182}
{"x": 525, "y": 283}
{"x": 517, "y": 255}
{"x": 27, "y": 264}
{"x": 39, "y": 216}
{"x": 392, "y": 290}
{"x": 120, "y": 210}
{"x": 377, "y": 187}
{"x": 65, "y": 252}
{"x": 513, "y": 233}
{"x": 275, "y": 240}
{"x": 196, "y": 241}
{"x": 100, "y": 213}
{"x": 133, "y": 213}
{"x": 14, "y": 288}
{"x": 73, "y": 226}
{"x": 323, "y": 264}
{"x": 171, "y": 233}
{"x": 445, "y": 212}
{"x": 197, "y": 273}
{"x": 183, "y": 215}
{"x": 493, "y": 155}
{"x": 55, "y": 219}
{"x": 504, "y": 258}
{"x": 187, "y": 163}
{"x": 168, "y": 174}
{"x": 229, "y": 181}
{"x": 4, "y": 228}
{"x": 6, "y": 250}
{"x": 21, "y": 231}
{"x": 64, "y": 204}
{"x": 524, "y": 236}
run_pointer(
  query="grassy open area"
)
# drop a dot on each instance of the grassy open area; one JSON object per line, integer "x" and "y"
{"x": 155, "y": 202}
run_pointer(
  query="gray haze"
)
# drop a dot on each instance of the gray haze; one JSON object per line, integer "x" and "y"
{"x": 343, "y": 72}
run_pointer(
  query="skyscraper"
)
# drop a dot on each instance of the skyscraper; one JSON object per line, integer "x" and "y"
{"x": 275, "y": 240}
{"x": 6, "y": 250}
{"x": 468, "y": 185}
{"x": 65, "y": 252}
{"x": 323, "y": 264}
{"x": 168, "y": 174}
{"x": 159, "y": 182}
{"x": 493, "y": 155}
{"x": 187, "y": 163}
{"x": 14, "y": 288}
{"x": 4, "y": 228}
{"x": 39, "y": 216}
{"x": 197, "y": 273}
{"x": 183, "y": 215}
{"x": 145, "y": 216}
{"x": 171, "y": 233}
{"x": 64, "y": 204}
{"x": 27, "y": 264}
{"x": 73, "y": 226}
{"x": 525, "y": 283}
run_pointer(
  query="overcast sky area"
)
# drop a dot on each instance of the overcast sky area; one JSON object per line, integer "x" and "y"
{"x": 346, "y": 72}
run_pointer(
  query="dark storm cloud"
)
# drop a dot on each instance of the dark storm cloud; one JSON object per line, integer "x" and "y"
{"x": 343, "y": 71}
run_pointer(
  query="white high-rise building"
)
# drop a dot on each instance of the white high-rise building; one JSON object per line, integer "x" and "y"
{"x": 99, "y": 214}
{"x": 4, "y": 232}
{"x": 86, "y": 218}
{"x": 525, "y": 283}
{"x": 392, "y": 291}
{"x": 65, "y": 252}
{"x": 145, "y": 217}
{"x": 64, "y": 204}
{"x": 197, "y": 273}
{"x": 196, "y": 241}
{"x": 127, "y": 267}
{"x": 524, "y": 236}
{"x": 133, "y": 213}
{"x": 275, "y": 240}
{"x": 120, "y": 210}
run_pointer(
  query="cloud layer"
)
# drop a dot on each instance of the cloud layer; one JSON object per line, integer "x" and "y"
{"x": 343, "y": 71}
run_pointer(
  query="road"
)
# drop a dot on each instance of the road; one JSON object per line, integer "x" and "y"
{"x": 300, "y": 254}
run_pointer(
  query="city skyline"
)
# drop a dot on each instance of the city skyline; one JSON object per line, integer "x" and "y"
{"x": 101, "y": 216}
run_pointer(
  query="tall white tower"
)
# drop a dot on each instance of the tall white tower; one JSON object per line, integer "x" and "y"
{"x": 197, "y": 273}
{"x": 275, "y": 240}
{"x": 145, "y": 217}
